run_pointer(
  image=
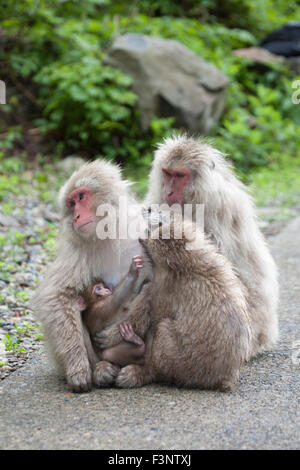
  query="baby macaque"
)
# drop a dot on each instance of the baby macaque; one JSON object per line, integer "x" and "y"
{"x": 104, "y": 307}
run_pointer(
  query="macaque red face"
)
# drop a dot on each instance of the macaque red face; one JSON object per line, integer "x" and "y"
{"x": 99, "y": 290}
{"x": 80, "y": 203}
{"x": 174, "y": 183}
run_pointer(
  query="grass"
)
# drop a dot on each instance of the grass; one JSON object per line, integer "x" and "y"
{"x": 275, "y": 185}
{"x": 13, "y": 342}
{"x": 278, "y": 185}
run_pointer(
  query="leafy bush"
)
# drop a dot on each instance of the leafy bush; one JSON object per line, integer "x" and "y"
{"x": 260, "y": 122}
{"x": 83, "y": 104}
{"x": 57, "y": 50}
{"x": 259, "y": 16}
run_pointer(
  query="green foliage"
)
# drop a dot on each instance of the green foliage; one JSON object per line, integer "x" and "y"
{"x": 13, "y": 342}
{"x": 278, "y": 184}
{"x": 259, "y": 16}
{"x": 58, "y": 49}
{"x": 84, "y": 104}
{"x": 260, "y": 122}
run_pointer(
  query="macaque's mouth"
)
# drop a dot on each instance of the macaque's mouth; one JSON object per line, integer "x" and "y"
{"x": 84, "y": 224}
{"x": 172, "y": 200}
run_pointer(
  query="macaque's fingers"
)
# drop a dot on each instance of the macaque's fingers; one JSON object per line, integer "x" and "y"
{"x": 123, "y": 330}
{"x": 136, "y": 264}
{"x": 138, "y": 261}
{"x": 127, "y": 331}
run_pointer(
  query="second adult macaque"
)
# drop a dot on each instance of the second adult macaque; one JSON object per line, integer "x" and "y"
{"x": 104, "y": 307}
{"x": 189, "y": 171}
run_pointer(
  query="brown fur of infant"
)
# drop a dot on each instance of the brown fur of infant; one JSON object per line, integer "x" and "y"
{"x": 103, "y": 307}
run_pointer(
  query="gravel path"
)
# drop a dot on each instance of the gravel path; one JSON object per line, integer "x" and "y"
{"x": 23, "y": 262}
{"x": 37, "y": 412}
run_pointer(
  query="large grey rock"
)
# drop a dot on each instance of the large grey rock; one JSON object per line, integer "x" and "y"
{"x": 171, "y": 80}
{"x": 295, "y": 64}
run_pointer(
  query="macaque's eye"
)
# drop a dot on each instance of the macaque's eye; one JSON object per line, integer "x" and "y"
{"x": 72, "y": 203}
{"x": 179, "y": 175}
{"x": 81, "y": 196}
{"x": 166, "y": 173}
{"x": 98, "y": 290}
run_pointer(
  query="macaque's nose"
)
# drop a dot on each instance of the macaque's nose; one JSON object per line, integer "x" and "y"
{"x": 76, "y": 217}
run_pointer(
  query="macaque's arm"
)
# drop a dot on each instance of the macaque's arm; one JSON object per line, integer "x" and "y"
{"x": 138, "y": 316}
{"x": 125, "y": 289}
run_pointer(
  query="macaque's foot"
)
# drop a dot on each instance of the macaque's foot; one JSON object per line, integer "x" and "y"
{"x": 80, "y": 381}
{"x": 227, "y": 386}
{"x": 136, "y": 265}
{"x": 130, "y": 377}
{"x": 105, "y": 373}
{"x": 128, "y": 334}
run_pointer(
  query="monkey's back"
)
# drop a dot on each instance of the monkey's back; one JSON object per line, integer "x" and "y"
{"x": 206, "y": 316}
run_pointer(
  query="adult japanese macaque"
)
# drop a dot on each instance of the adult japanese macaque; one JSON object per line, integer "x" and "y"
{"x": 188, "y": 171}
{"x": 198, "y": 329}
{"x": 82, "y": 258}
{"x": 103, "y": 307}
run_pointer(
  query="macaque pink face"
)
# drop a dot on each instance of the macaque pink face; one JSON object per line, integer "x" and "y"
{"x": 80, "y": 204}
{"x": 174, "y": 183}
{"x": 100, "y": 291}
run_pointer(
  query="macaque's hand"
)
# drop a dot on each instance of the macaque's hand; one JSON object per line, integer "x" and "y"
{"x": 108, "y": 337}
{"x": 136, "y": 265}
{"x": 80, "y": 381}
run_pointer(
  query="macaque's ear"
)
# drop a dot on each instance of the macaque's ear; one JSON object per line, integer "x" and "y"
{"x": 81, "y": 303}
{"x": 212, "y": 165}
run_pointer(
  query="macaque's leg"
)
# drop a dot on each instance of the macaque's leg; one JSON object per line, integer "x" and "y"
{"x": 130, "y": 351}
{"x": 124, "y": 354}
{"x": 93, "y": 358}
{"x": 161, "y": 358}
{"x": 66, "y": 333}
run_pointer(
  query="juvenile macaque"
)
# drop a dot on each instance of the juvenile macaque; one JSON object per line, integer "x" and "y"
{"x": 195, "y": 314}
{"x": 104, "y": 307}
{"x": 188, "y": 171}
{"x": 81, "y": 258}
